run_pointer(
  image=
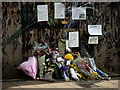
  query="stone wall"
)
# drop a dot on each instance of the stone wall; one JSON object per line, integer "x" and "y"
{"x": 12, "y": 52}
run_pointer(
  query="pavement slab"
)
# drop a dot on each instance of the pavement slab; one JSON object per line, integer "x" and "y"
{"x": 22, "y": 85}
{"x": 107, "y": 84}
{"x": 73, "y": 84}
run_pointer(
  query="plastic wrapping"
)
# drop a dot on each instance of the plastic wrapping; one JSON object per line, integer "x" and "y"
{"x": 30, "y": 67}
{"x": 74, "y": 74}
{"x": 41, "y": 47}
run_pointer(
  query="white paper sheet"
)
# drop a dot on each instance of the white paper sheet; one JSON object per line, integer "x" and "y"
{"x": 67, "y": 44}
{"x": 93, "y": 40}
{"x": 74, "y": 39}
{"x": 59, "y": 59}
{"x": 42, "y": 13}
{"x": 78, "y": 13}
{"x": 68, "y": 63}
{"x": 59, "y": 11}
{"x": 95, "y": 29}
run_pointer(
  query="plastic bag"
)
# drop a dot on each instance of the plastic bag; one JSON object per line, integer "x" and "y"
{"x": 30, "y": 67}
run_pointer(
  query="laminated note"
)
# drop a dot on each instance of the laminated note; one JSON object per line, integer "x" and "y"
{"x": 93, "y": 40}
{"x": 59, "y": 11}
{"x": 95, "y": 29}
{"x": 74, "y": 39}
{"x": 42, "y": 12}
{"x": 78, "y": 13}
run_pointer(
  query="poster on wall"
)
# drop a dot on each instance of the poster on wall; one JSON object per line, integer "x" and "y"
{"x": 78, "y": 13}
{"x": 93, "y": 40}
{"x": 74, "y": 39}
{"x": 42, "y": 13}
{"x": 59, "y": 11}
{"x": 95, "y": 29}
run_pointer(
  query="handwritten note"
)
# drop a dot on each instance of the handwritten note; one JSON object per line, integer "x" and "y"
{"x": 42, "y": 13}
{"x": 74, "y": 39}
{"x": 95, "y": 29}
{"x": 78, "y": 13}
{"x": 93, "y": 40}
{"x": 59, "y": 11}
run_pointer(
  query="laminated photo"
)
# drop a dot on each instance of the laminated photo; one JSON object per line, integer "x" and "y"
{"x": 78, "y": 13}
{"x": 93, "y": 40}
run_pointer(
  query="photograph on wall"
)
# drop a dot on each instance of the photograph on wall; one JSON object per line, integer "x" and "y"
{"x": 93, "y": 40}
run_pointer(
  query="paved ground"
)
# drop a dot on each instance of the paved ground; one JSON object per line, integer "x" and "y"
{"x": 22, "y": 84}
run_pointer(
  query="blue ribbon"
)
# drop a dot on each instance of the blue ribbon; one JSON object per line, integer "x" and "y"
{"x": 64, "y": 68}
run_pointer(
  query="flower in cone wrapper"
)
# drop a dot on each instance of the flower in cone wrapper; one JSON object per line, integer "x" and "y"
{"x": 69, "y": 57}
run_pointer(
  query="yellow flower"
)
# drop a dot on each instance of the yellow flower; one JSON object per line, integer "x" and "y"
{"x": 74, "y": 67}
{"x": 95, "y": 73}
{"x": 69, "y": 57}
{"x": 84, "y": 78}
{"x": 81, "y": 75}
{"x": 71, "y": 65}
{"x": 38, "y": 51}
